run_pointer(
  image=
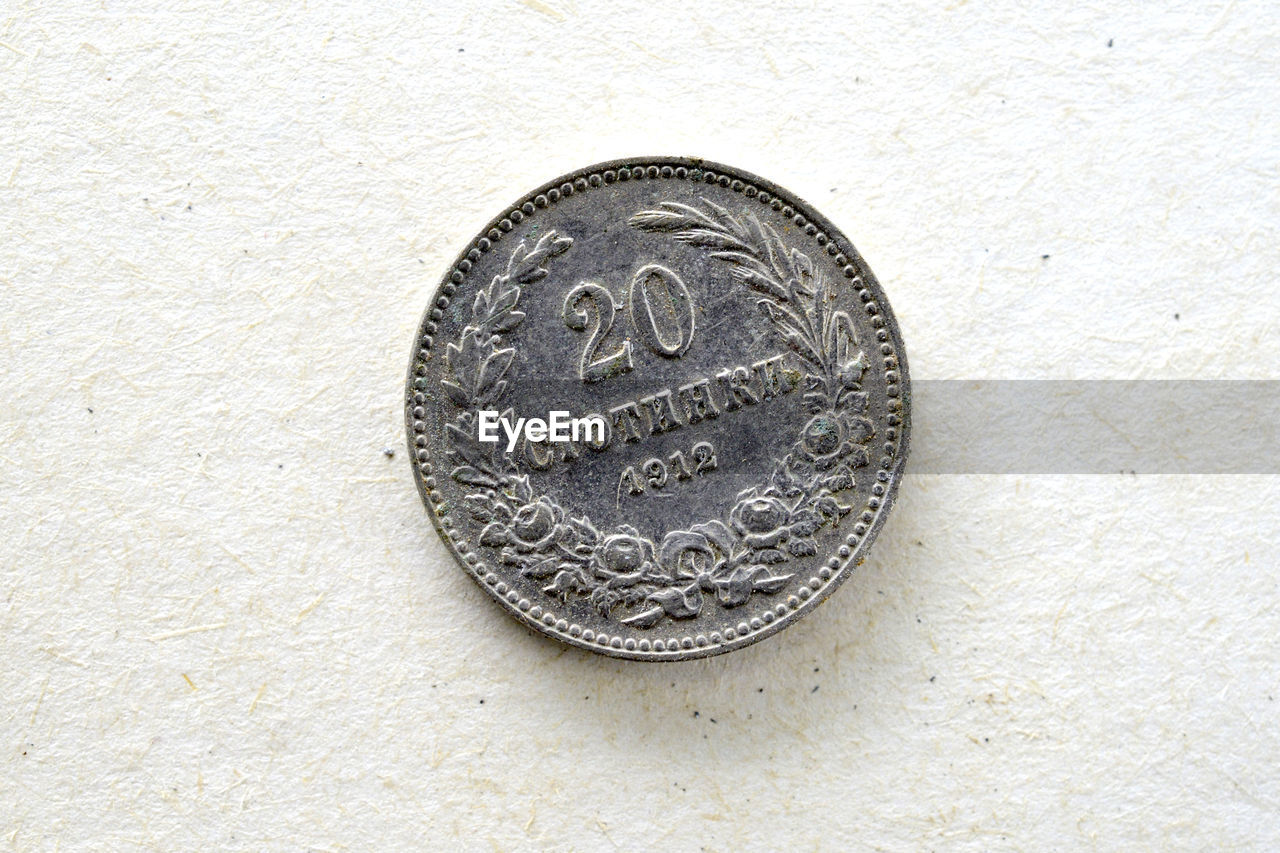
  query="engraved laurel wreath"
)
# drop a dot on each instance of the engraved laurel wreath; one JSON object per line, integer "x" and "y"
{"x": 770, "y": 524}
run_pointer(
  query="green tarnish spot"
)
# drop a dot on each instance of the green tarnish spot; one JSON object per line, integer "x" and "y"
{"x": 616, "y": 368}
{"x": 821, "y": 426}
{"x": 421, "y": 384}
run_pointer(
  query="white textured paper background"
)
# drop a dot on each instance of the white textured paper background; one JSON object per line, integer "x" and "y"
{"x": 226, "y": 623}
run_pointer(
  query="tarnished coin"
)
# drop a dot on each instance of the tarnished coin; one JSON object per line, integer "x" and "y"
{"x": 658, "y": 409}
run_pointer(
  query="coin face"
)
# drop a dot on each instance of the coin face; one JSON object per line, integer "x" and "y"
{"x": 658, "y": 409}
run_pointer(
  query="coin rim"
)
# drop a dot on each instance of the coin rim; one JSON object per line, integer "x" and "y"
{"x": 424, "y": 340}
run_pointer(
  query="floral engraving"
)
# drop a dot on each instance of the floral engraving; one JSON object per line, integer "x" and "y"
{"x": 716, "y": 561}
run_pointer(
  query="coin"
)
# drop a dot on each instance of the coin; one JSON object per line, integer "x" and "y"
{"x": 658, "y": 408}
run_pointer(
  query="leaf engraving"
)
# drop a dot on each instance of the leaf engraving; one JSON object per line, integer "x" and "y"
{"x": 718, "y": 562}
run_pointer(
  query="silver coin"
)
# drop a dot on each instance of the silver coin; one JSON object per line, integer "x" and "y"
{"x": 658, "y": 409}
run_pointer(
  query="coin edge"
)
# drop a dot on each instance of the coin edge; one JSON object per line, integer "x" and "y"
{"x": 856, "y": 544}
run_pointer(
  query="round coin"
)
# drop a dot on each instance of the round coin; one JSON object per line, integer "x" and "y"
{"x": 658, "y": 408}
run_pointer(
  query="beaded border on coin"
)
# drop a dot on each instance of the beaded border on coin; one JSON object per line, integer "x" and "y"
{"x": 892, "y": 362}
